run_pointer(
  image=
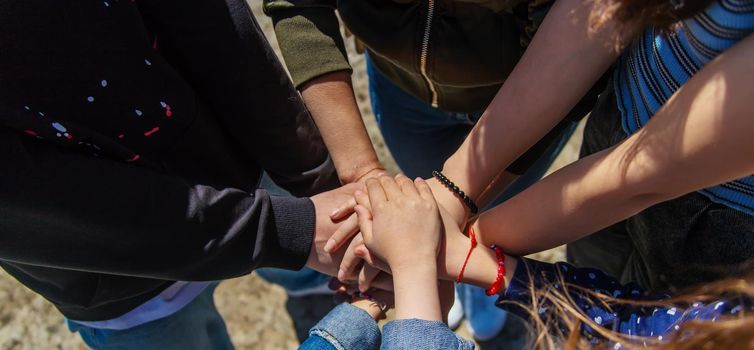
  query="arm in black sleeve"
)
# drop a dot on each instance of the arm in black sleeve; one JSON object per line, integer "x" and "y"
{"x": 77, "y": 212}
{"x": 218, "y": 47}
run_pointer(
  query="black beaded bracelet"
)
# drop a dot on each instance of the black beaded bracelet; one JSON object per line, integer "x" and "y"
{"x": 452, "y": 187}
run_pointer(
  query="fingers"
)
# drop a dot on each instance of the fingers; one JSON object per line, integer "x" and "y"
{"x": 363, "y": 252}
{"x": 362, "y": 198}
{"x": 343, "y": 210}
{"x": 424, "y": 190}
{"x": 364, "y": 217}
{"x": 345, "y": 231}
{"x": 384, "y": 282}
{"x": 392, "y": 191}
{"x": 367, "y": 274}
{"x": 383, "y": 297}
{"x": 350, "y": 261}
{"x": 376, "y": 193}
{"x": 406, "y": 185}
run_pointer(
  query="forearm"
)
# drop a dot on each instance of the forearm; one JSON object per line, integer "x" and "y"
{"x": 416, "y": 293}
{"x": 53, "y": 216}
{"x": 700, "y": 138}
{"x": 563, "y": 61}
{"x": 322, "y": 73}
{"x": 333, "y": 107}
{"x": 495, "y": 188}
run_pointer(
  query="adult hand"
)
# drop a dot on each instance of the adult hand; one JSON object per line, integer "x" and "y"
{"x": 344, "y": 212}
{"x": 452, "y": 252}
{"x": 324, "y": 204}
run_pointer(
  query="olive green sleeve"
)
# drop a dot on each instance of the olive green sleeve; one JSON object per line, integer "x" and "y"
{"x": 308, "y": 33}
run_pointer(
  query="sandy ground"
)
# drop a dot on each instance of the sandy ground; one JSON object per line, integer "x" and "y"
{"x": 258, "y": 315}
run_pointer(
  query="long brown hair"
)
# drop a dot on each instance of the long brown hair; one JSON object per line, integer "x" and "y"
{"x": 663, "y": 14}
{"x": 560, "y": 326}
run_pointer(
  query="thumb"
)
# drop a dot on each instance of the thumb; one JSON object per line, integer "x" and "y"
{"x": 365, "y": 222}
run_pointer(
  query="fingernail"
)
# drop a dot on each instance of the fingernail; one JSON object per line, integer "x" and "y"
{"x": 335, "y": 212}
{"x": 358, "y": 253}
{"x": 330, "y": 245}
{"x": 341, "y": 275}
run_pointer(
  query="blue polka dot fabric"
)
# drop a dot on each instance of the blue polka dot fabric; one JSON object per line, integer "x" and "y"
{"x": 587, "y": 287}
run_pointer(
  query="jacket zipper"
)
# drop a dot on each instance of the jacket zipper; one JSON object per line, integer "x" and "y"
{"x": 425, "y": 51}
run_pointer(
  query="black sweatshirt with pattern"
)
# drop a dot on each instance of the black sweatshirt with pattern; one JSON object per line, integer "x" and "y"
{"x": 133, "y": 135}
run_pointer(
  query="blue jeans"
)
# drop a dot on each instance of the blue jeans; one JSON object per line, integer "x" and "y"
{"x": 198, "y": 325}
{"x": 350, "y": 328}
{"x": 421, "y": 137}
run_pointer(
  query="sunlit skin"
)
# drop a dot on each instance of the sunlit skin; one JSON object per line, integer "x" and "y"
{"x": 700, "y": 138}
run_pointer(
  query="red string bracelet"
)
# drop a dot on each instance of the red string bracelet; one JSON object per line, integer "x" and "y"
{"x": 498, "y": 284}
{"x": 468, "y": 255}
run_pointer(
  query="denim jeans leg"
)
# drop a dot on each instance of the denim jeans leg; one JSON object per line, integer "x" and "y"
{"x": 197, "y": 326}
{"x": 419, "y": 136}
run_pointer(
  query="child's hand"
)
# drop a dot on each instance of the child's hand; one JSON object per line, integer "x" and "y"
{"x": 404, "y": 225}
{"x": 404, "y": 230}
{"x": 375, "y": 302}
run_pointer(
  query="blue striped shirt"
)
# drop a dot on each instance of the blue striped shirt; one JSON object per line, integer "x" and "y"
{"x": 656, "y": 65}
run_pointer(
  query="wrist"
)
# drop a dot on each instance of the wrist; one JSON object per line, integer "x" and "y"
{"x": 370, "y": 307}
{"x": 418, "y": 263}
{"x": 416, "y": 293}
{"x": 457, "y": 192}
{"x": 359, "y": 171}
{"x": 460, "y": 177}
{"x": 449, "y": 202}
{"x": 482, "y": 267}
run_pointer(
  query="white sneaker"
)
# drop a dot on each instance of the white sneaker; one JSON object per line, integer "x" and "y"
{"x": 455, "y": 315}
{"x": 485, "y": 320}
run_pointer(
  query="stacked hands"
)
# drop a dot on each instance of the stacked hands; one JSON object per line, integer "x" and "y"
{"x": 395, "y": 237}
